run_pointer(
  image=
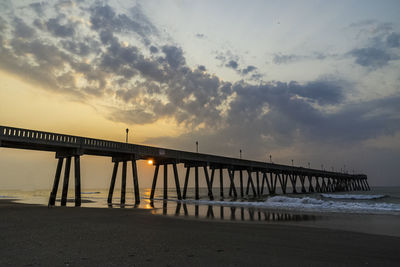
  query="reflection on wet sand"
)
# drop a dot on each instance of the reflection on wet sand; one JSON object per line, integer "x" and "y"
{"x": 226, "y": 213}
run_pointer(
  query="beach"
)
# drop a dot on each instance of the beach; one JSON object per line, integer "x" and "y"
{"x": 34, "y": 235}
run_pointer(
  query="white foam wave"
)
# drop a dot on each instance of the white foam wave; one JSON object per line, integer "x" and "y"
{"x": 309, "y": 204}
{"x": 357, "y": 197}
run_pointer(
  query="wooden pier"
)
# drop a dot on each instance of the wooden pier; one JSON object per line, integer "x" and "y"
{"x": 262, "y": 177}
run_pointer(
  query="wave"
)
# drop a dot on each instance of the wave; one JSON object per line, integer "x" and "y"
{"x": 7, "y": 197}
{"x": 308, "y": 204}
{"x": 355, "y": 197}
{"x": 88, "y": 193}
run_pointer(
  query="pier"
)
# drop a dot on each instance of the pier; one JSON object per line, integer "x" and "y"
{"x": 247, "y": 178}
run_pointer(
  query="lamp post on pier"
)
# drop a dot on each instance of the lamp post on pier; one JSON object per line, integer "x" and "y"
{"x": 127, "y": 131}
{"x": 197, "y": 147}
{"x": 240, "y": 154}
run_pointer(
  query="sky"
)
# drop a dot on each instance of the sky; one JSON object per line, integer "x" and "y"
{"x": 310, "y": 81}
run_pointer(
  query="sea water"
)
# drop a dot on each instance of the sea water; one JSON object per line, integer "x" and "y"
{"x": 376, "y": 211}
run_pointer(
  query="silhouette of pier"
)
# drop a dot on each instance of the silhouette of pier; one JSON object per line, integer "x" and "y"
{"x": 246, "y": 177}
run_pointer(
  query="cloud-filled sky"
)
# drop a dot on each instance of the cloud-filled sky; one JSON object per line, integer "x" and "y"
{"x": 312, "y": 81}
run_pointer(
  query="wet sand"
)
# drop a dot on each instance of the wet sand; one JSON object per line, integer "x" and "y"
{"x": 38, "y": 236}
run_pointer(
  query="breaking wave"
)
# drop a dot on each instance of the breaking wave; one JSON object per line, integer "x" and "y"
{"x": 308, "y": 204}
{"x": 356, "y": 197}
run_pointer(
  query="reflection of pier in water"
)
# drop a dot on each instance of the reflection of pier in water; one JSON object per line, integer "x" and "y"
{"x": 229, "y": 213}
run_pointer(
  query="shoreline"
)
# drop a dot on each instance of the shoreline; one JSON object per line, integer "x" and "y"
{"x": 36, "y": 235}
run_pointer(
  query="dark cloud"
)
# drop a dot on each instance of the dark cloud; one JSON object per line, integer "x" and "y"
{"x": 280, "y": 58}
{"x": 322, "y": 92}
{"x": 57, "y": 29}
{"x": 78, "y": 48}
{"x": 284, "y": 59}
{"x": 393, "y": 40}
{"x": 38, "y": 7}
{"x": 153, "y": 49}
{"x": 381, "y": 45}
{"x": 174, "y": 56}
{"x": 22, "y": 30}
{"x": 202, "y": 68}
{"x": 39, "y": 24}
{"x": 103, "y": 17}
{"x": 371, "y": 57}
{"x": 248, "y": 69}
{"x": 232, "y": 64}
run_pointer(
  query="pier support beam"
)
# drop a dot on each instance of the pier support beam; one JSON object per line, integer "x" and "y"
{"x": 186, "y": 182}
{"x": 231, "y": 173}
{"x": 241, "y": 183}
{"x": 196, "y": 182}
{"x": 112, "y": 184}
{"x": 221, "y": 182}
{"x": 273, "y": 183}
{"x": 178, "y": 188}
{"x": 123, "y": 182}
{"x": 135, "y": 182}
{"x": 77, "y": 166}
{"x": 258, "y": 183}
{"x": 53, "y": 194}
{"x": 302, "y": 181}
{"x": 317, "y": 186}
{"x": 66, "y": 182}
{"x": 209, "y": 186}
{"x": 250, "y": 182}
{"x": 153, "y": 186}
{"x": 293, "y": 180}
{"x": 283, "y": 181}
{"x": 310, "y": 187}
{"x": 165, "y": 195}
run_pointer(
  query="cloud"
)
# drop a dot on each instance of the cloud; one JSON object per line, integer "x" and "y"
{"x": 232, "y": 64}
{"x": 248, "y": 69}
{"x": 279, "y": 58}
{"x": 371, "y": 57}
{"x": 153, "y": 49}
{"x": 200, "y": 35}
{"x": 381, "y": 44}
{"x": 229, "y": 60}
{"x": 393, "y": 40}
{"x": 174, "y": 56}
{"x": 79, "y": 48}
{"x": 38, "y": 7}
{"x": 59, "y": 30}
{"x": 103, "y": 17}
{"x": 284, "y": 59}
{"x": 22, "y": 30}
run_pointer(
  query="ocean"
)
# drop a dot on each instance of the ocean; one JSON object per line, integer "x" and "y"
{"x": 375, "y": 212}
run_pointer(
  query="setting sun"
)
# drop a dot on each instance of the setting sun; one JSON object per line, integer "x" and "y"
{"x": 150, "y": 162}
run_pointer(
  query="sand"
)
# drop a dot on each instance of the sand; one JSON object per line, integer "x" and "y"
{"x": 40, "y": 236}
